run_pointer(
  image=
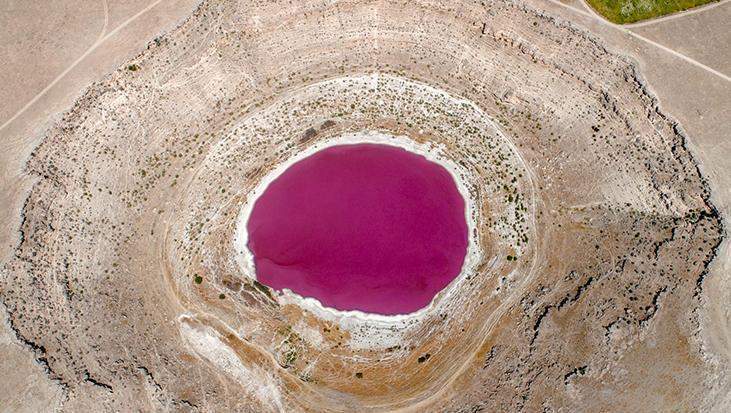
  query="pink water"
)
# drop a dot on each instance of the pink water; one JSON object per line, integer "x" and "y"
{"x": 364, "y": 227}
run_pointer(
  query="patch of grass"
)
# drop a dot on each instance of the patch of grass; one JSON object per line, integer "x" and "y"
{"x": 305, "y": 377}
{"x": 264, "y": 289}
{"x": 630, "y": 11}
{"x": 290, "y": 357}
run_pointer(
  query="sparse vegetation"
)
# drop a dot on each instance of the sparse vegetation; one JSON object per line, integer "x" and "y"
{"x": 264, "y": 289}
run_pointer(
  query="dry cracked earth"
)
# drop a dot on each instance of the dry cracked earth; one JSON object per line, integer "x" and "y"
{"x": 593, "y": 226}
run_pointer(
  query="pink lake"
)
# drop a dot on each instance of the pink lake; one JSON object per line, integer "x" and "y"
{"x": 366, "y": 227}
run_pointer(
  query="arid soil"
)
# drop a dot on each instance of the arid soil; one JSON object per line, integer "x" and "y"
{"x": 593, "y": 225}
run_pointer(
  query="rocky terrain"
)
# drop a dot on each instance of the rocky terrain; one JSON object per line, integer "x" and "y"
{"x": 592, "y": 225}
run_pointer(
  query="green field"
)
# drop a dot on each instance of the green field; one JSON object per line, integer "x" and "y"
{"x": 629, "y": 11}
